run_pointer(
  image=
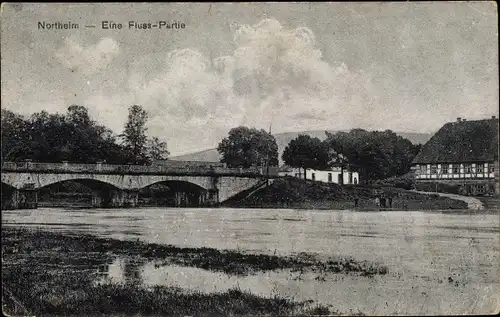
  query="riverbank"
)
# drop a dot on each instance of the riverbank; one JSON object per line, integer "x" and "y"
{"x": 472, "y": 202}
{"x": 48, "y": 273}
{"x": 294, "y": 193}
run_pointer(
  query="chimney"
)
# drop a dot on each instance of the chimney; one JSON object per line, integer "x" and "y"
{"x": 459, "y": 119}
{"x": 464, "y": 119}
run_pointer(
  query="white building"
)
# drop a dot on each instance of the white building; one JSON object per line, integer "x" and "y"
{"x": 326, "y": 176}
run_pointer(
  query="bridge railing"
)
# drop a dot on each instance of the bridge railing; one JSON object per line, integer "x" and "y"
{"x": 133, "y": 169}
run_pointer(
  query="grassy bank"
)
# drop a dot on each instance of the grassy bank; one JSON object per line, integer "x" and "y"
{"x": 22, "y": 241}
{"x": 40, "y": 292}
{"x": 291, "y": 192}
{"x": 48, "y": 273}
{"x": 75, "y": 294}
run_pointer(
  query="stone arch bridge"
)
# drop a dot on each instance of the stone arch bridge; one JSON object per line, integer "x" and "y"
{"x": 119, "y": 185}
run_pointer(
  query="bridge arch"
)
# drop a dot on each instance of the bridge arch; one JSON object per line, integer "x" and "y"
{"x": 176, "y": 192}
{"x": 6, "y": 186}
{"x": 91, "y": 183}
{"x": 177, "y": 185}
{"x": 79, "y": 188}
{"x": 40, "y": 180}
{"x": 201, "y": 182}
{"x": 6, "y": 195}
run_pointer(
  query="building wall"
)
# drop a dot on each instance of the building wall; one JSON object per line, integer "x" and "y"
{"x": 483, "y": 170}
{"x": 328, "y": 176}
{"x": 480, "y": 178}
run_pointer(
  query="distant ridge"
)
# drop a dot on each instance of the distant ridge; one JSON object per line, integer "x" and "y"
{"x": 211, "y": 155}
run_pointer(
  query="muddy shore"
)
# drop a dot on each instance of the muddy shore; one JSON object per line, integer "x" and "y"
{"x": 52, "y": 274}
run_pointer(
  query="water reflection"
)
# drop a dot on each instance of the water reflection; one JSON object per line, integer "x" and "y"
{"x": 123, "y": 270}
{"x": 154, "y": 273}
{"x": 422, "y": 250}
{"x": 421, "y": 294}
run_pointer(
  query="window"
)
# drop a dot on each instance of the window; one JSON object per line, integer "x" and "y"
{"x": 492, "y": 169}
{"x": 423, "y": 169}
{"x": 481, "y": 189}
{"x": 468, "y": 168}
{"x": 456, "y": 169}
{"x": 479, "y": 168}
{"x": 329, "y": 177}
{"x": 433, "y": 169}
{"x": 444, "y": 169}
{"x": 313, "y": 176}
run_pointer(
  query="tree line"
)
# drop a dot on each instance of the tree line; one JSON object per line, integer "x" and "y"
{"x": 75, "y": 137}
{"x": 374, "y": 154}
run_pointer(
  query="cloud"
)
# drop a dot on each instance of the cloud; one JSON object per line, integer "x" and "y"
{"x": 275, "y": 75}
{"x": 312, "y": 115}
{"x": 351, "y": 71}
{"x": 87, "y": 60}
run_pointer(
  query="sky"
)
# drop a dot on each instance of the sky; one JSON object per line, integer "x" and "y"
{"x": 408, "y": 67}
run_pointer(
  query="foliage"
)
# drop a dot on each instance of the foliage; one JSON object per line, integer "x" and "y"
{"x": 15, "y": 136}
{"x": 75, "y": 137}
{"x": 406, "y": 181}
{"x": 306, "y": 152}
{"x": 134, "y": 135}
{"x": 157, "y": 150}
{"x": 336, "y": 159}
{"x": 377, "y": 155}
{"x": 45, "y": 137}
{"x": 246, "y": 147}
{"x": 438, "y": 187}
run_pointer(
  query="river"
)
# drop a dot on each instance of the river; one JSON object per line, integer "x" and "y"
{"x": 439, "y": 263}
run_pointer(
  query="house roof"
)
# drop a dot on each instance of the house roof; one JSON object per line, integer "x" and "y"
{"x": 462, "y": 141}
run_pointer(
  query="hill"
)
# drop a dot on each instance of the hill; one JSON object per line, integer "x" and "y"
{"x": 211, "y": 155}
{"x": 290, "y": 192}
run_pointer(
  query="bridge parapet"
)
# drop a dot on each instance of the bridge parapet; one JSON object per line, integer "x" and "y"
{"x": 134, "y": 169}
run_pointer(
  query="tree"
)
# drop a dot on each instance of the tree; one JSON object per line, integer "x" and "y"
{"x": 45, "y": 137}
{"x": 107, "y": 149}
{"x": 246, "y": 147}
{"x": 157, "y": 149}
{"x": 306, "y": 152}
{"x": 134, "y": 135}
{"x": 79, "y": 115}
{"x": 375, "y": 154}
{"x": 83, "y": 138}
{"x": 51, "y": 137}
{"x": 15, "y": 136}
{"x": 335, "y": 157}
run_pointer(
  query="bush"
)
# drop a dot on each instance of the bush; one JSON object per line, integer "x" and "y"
{"x": 439, "y": 187}
{"x": 406, "y": 181}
